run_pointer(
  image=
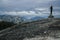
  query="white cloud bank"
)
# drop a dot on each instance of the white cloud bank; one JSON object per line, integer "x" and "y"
{"x": 37, "y": 12}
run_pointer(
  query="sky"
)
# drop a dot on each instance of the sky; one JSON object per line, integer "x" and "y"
{"x": 29, "y": 7}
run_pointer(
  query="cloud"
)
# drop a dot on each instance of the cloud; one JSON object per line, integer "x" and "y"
{"x": 37, "y": 12}
{"x": 10, "y": 5}
{"x": 28, "y": 7}
{"x": 24, "y": 13}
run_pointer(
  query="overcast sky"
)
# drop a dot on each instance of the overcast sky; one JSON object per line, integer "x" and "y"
{"x": 29, "y": 7}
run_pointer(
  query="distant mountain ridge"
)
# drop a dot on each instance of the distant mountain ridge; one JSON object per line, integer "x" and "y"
{"x": 9, "y": 18}
{"x": 17, "y": 19}
{"x": 57, "y": 16}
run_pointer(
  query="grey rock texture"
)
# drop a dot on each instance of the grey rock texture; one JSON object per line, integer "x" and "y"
{"x": 26, "y": 30}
